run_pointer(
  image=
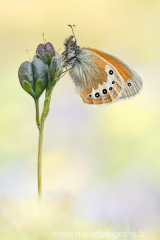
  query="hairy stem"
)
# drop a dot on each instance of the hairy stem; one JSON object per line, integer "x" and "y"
{"x": 40, "y": 143}
{"x": 40, "y": 124}
{"x": 37, "y": 112}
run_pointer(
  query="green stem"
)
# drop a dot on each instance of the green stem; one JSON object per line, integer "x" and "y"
{"x": 37, "y": 112}
{"x": 40, "y": 143}
{"x": 40, "y": 124}
{"x": 40, "y": 128}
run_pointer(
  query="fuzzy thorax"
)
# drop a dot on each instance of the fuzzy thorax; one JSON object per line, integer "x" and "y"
{"x": 82, "y": 64}
{"x": 83, "y": 69}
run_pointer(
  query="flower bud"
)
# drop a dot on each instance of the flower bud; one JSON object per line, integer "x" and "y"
{"x": 55, "y": 63}
{"x": 33, "y": 77}
{"x": 53, "y": 68}
{"x": 45, "y": 52}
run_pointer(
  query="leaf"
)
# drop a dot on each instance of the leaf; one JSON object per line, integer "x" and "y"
{"x": 38, "y": 56}
{"x": 39, "y": 87}
{"x": 27, "y": 87}
{"x": 47, "y": 58}
{"x": 46, "y": 103}
{"x": 54, "y": 82}
{"x": 45, "y": 108}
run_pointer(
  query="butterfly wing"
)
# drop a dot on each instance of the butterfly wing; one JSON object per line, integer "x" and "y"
{"x": 105, "y": 78}
{"x": 105, "y": 87}
{"x": 128, "y": 81}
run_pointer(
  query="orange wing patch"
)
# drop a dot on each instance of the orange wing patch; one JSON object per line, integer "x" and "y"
{"x": 121, "y": 68}
{"x": 103, "y": 98}
{"x": 98, "y": 78}
{"x": 97, "y": 101}
{"x": 90, "y": 101}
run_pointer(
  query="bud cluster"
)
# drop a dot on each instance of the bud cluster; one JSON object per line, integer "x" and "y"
{"x": 37, "y": 75}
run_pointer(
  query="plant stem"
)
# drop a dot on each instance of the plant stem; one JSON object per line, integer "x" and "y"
{"x": 40, "y": 125}
{"x": 37, "y": 113}
{"x": 40, "y": 143}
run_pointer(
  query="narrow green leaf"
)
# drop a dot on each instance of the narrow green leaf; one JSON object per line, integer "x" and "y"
{"x": 38, "y": 56}
{"x": 27, "y": 87}
{"x": 39, "y": 86}
{"x": 54, "y": 82}
{"x": 46, "y": 104}
{"x": 45, "y": 108}
{"x": 47, "y": 58}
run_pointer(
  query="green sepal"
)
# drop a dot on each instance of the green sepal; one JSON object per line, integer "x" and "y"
{"x": 47, "y": 59}
{"x": 39, "y": 87}
{"x": 53, "y": 67}
{"x": 57, "y": 72}
{"x": 53, "y": 82}
{"x": 38, "y": 56}
{"x": 27, "y": 87}
{"x": 48, "y": 73}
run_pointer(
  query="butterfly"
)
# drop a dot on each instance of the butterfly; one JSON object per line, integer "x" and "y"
{"x": 98, "y": 76}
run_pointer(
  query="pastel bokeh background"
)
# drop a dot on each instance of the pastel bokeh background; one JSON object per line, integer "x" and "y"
{"x": 101, "y": 165}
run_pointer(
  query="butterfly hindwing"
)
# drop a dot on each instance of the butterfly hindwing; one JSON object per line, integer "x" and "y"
{"x": 104, "y": 86}
{"x": 106, "y": 92}
{"x": 131, "y": 83}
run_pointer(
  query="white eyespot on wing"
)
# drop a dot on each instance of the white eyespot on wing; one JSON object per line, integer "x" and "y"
{"x": 96, "y": 93}
{"x": 108, "y": 90}
{"x": 105, "y": 91}
{"x": 115, "y": 87}
{"x": 113, "y": 78}
{"x": 129, "y": 88}
{"x": 132, "y": 86}
{"x": 111, "y": 73}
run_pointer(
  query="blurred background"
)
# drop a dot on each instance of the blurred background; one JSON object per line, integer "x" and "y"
{"x": 101, "y": 165}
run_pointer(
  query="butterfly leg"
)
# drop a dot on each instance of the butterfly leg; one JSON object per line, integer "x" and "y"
{"x": 63, "y": 73}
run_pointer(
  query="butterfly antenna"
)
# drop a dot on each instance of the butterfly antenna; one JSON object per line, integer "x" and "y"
{"x": 75, "y": 32}
{"x": 28, "y": 55}
{"x": 72, "y": 30}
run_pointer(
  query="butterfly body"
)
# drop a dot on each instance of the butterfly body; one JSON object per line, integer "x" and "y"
{"x": 99, "y": 77}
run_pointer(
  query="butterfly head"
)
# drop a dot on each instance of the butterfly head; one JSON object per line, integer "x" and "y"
{"x": 72, "y": 49}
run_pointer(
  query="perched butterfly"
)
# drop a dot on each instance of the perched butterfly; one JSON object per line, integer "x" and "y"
{"x": 99, "y": 77}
